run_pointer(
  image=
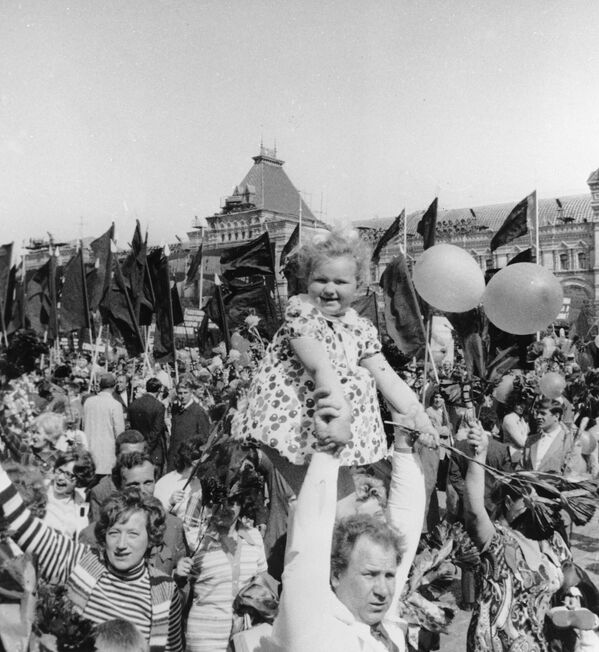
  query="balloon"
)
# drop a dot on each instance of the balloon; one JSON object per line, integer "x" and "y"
{"x": 588, "y": 443}
{"x": 597, "y": 341}
{"x": 523, "y": 298}
{"x": 504, "y": 389}
{"x": 552, "y": 384}
{"x": 449, "y": 278}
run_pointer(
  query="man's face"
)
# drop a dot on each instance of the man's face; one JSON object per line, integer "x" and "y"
{"x": 139, "y": 477}
{"x": 519, "y": 409}
{"x": 121, "y": 384}
{"x": 366, "y": 586}
{"x": 546, "y": 420}
{"x": 127, "y": 541}
{"x": 184, "y": 395}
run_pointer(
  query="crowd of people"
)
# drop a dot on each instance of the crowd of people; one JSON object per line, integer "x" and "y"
{"x": 308, "y": 494}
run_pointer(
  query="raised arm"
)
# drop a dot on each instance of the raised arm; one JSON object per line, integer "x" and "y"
{"x": 305, "y": 602}
{"x": 55, "y": 553}
{"x": 405, "y": 508}
{"x": 478, "y": 524}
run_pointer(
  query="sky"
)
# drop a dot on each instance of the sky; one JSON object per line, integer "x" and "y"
{"x": 152, "y": 109}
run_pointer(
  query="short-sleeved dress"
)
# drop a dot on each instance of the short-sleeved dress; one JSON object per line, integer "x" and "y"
{"x": 513, "y": 599}
{"x": 279, "y": 409}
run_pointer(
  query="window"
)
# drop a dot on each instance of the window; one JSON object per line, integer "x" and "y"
{"x": 564, "y": 262}
{"x": 489, "y": 264}
{"x": 582, "y": 260}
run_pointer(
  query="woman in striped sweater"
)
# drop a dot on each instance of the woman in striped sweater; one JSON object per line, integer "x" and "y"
{"x": 116, "y": 582}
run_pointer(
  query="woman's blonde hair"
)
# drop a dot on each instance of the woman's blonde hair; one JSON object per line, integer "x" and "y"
{"x": 51, "y": 424}
{"x": 334, "y": 244}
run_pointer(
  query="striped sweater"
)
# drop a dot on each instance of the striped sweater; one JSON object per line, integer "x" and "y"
{"x": 96, "y": 591}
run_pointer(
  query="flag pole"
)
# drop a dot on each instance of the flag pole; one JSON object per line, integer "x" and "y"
{"x": 426, "y": 350}
{"x": 201, "y": 301}
{"x": 3, "y": 323}
{"x": 221, "y": 310}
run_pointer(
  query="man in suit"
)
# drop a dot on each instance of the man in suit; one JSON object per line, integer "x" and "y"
{"x": 189, "y": 420}
{"x": 136, "y": 471}
{"x": 121, "y": 392}
{"x": 550, "y": 449}
{"x": 146, "y": 414}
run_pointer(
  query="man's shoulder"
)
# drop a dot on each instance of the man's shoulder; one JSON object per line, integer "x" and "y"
{"x": 104, "y": 488}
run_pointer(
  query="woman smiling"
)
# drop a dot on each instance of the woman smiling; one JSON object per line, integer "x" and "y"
{"x": 67, "y": 509}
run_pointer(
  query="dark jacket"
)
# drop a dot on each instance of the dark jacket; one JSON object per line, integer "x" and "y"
{"x": 146, "y": 414}
{"x": 498, "y": 457}
{"x": 190, "y": 422}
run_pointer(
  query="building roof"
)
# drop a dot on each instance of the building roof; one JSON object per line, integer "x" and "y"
{"x": 266, "y": 186}
{"x": 574, "y": 208}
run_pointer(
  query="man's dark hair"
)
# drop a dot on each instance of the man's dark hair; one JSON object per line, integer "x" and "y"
{"x": 188, "y": 453}
{"x": 555, "y": 407}
{"x": 153, "y": 386}
{"x": 128, "y": 437}
{"x": 347, "y": 532}
{"x": 130, "y": 461}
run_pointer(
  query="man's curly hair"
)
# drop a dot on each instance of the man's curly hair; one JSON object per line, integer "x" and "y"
{"x": 123, "y": 504}
{"x": 347, "y": 532}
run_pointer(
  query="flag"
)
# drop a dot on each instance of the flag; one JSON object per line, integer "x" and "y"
{"x": 41, "y": 298}
{"x": 99, "y": 277}
{"x": 74, "y": 308}
{"x": 253, "y": 258}
{"x": 469, "y": 327}
{"x": 164, "y": 336}
{"x": 290, "y": 245}
{"x": 194, "y": 266}
{"x": 366, "y": 307}
{"x": 523, "y": 257}
{"x": 243, "y": 299}
{"x": 389, "y": 234}
{"x": 5, "y": 267}
{"x": 428, "y": 225}
{"x": 135, "y": 271}
{"x": 403, "y": 320}
{"x": 516, "y": 224}
{"x": 118, "y": 311}
{"x": 13, "y": 309}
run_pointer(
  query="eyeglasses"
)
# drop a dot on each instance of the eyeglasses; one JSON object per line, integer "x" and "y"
{"x": 67, "y": 474}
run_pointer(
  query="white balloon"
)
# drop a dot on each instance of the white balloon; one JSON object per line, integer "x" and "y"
{"x": 449, "y": 279}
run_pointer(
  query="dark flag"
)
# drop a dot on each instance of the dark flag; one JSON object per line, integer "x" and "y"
{"x": 74, "y": 306}
{"x": 118, "y": 311}
{"x": 135, "y": 273}
{"x": 290, "y": 245}
{"x": 98, "y": 278}
{"x": 5, "y": 267}
{"x": 164, "y": 336}
{"x": 523, "y": 257}
{"x": 243, "y": 299}
{"x": 403, "y": 320}
{"x": 42, "y": 298}
{"x": 428, "y": 225}
{"x": 469, "y": 327}
{"x": 13, "y": 309}
{"x": 389, "y": 234}
{"x": 366, "y": 307}
{"x": 516, "y": 223}
{"x": 253, "y": 258}
{"x": 194, "y": 266}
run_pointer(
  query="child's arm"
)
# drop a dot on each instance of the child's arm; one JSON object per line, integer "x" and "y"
{"x": 396, "y": 392}
{"x": 313, "y": 355}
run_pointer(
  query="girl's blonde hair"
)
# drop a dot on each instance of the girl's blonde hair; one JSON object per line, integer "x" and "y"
{"x": 51, "y": 424}
{"x": 334, "y": 244}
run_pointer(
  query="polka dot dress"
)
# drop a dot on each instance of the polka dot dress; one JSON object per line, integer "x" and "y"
{"x": 280, "y": 407}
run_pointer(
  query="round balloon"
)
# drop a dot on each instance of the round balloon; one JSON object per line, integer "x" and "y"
{"x": 552, "y": 384}
{"x": 597, "y": 341}
{"x": 504, "y": 389}
{"x": 523, "y": 298}
{"x": 449, "y": 278}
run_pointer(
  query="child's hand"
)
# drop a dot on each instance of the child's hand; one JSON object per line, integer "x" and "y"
{"x": 331, "y": 421}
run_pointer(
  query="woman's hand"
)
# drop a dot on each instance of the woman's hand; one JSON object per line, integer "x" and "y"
{"x": 176, "y": 497}
{"x": 183, "y": 568}
{"x": 415, "y": 419}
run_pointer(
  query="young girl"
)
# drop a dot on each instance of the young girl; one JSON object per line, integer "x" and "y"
{"x": 324, "y": 343}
